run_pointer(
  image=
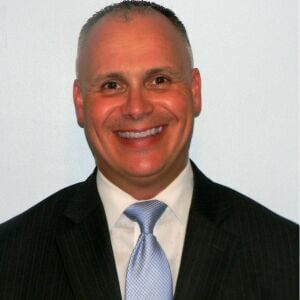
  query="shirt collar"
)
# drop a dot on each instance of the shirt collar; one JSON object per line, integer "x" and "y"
{"x": 177, "y": 195}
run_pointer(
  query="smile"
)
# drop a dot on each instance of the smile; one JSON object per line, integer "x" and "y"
{"x": 140, "y": 134}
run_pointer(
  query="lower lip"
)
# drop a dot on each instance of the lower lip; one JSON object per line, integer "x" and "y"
{"x": 143, "y": 141}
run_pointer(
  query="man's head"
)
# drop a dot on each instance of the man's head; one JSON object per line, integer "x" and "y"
{"x": 124, "y": 9}
{"x": 136, "y": 95}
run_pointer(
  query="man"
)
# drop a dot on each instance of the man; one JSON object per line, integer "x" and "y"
{"x": 136, "y": 96}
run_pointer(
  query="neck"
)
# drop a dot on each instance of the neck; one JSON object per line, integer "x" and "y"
{"x": 144, "y": 188}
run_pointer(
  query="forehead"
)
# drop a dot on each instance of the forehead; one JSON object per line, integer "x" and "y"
{"x": 138, "y": 24}
{"x": 133, "y": 37}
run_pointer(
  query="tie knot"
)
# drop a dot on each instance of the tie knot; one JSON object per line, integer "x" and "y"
{"x": 146, "y": 214}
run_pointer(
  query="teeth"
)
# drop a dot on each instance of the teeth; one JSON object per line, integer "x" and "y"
{"x": 140, "y": 134}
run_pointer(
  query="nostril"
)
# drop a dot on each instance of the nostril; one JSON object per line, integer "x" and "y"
{"x": 137, "y": 107}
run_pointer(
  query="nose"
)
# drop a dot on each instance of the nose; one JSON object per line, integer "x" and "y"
{"x": 137, "y": 106}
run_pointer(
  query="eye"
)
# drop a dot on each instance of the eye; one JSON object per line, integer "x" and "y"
{"x": 111, "y": 85}
{"x": 160, "y": 80}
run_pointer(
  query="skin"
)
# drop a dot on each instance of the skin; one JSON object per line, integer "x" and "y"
{"x": 135, "y": 75}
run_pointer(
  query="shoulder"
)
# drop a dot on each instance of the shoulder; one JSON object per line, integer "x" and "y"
{"x": 266, "y": 244}
{"x": 41, "y": 219}
{"x": 254, "y": 217}
{"x": 241, "y": 215}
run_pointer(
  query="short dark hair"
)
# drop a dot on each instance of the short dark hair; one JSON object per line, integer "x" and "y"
{"x": 134, "y": 6}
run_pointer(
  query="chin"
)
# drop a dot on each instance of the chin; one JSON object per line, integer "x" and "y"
{"x": 145, "y": 168}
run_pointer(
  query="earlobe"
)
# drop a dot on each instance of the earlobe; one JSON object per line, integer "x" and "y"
{"x": 78, "y": 103}
{"x": 196, "y": 90}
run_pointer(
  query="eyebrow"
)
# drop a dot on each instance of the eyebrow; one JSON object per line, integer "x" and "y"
{"x": 117, "y": 75}
{"x": 166, "y": 69}
{"x": 121, "y": 75}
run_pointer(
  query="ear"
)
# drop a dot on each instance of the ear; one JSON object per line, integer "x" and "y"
{"x": 78, "y": 103}
{"x": 196, "y": 90}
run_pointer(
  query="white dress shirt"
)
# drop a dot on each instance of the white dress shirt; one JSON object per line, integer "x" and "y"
{"x": 169, "y": 229}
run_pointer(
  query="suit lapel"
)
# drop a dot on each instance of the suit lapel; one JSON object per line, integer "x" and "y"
{"x": 208, "y": 249}
{"x": 85, "y": 246}
{"x": 86, "y": 250}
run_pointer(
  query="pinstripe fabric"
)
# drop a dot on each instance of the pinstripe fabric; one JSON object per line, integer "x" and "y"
{"x": 234, "y": 249}
{"x": 244, "y": 251}
{"x": 59, "y": 249}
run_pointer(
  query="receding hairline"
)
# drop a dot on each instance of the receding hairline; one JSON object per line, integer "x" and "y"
{"x": 127, "y": 15}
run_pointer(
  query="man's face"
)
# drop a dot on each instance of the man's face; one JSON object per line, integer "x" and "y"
{"x": 136, "y": 97}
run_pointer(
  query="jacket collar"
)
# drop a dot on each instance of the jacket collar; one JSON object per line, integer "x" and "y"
{"x": 85, "y": 247}
{"x": 208, "y": 248}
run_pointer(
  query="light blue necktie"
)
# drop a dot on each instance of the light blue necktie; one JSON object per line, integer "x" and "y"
{"x": 148, "y": 274}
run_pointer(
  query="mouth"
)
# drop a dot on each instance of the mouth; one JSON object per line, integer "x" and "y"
{"x": 131, "y": 134}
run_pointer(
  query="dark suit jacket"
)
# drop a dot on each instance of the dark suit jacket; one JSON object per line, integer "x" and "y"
{"x": 234, "y": 249}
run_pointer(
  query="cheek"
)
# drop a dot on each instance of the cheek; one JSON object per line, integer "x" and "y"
{"x": 98, "y": 111}
{"x": 179, "y": 104}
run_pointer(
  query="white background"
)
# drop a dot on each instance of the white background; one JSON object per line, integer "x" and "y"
{"x": 246, "y": 136}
